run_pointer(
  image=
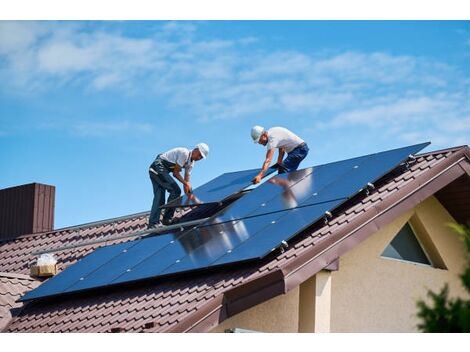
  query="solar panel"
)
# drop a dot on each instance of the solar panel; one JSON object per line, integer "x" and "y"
{"x": 168, "y": 254}
{"x": 72, "y": 274}
{"x": 218, "y": 189}
{"x": 327, "y": 182}
{"x": 262, "y": 234}
{"x": 249, "y": 229}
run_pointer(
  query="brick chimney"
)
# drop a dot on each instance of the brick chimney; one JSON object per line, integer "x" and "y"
{"x": 26, "y": 209}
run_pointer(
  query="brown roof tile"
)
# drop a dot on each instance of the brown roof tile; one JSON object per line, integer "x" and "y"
{"x": 12, "y": 287}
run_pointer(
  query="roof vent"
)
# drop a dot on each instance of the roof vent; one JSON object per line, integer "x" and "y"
{"x": 26, "y": 209}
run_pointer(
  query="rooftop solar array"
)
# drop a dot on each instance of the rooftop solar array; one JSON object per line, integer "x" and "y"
{"x": 248, "y": 229}
{"x": 218, "y": 189}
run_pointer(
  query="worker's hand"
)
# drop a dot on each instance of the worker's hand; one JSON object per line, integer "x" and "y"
{"x": 257, "y": 179}
{"x": 187, "y": 188}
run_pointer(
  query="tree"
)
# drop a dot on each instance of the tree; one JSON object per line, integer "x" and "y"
{"x": 444, "y": 314}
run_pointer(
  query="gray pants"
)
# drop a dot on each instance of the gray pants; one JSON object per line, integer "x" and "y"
{"x": 161, "y": 182}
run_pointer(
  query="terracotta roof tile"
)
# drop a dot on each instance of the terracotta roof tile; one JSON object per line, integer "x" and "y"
{"x": 12, "y": 287}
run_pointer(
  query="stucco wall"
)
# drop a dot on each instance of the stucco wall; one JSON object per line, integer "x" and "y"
{"x": 373, "y": 294}
{"x": 279, "y": 314}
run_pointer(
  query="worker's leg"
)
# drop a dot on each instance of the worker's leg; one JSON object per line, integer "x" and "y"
{"x": 158, "y": 200}
{"x": 293, "y": 159}
{"x": 175, "y": 191}
{"x": 164, "y": 180}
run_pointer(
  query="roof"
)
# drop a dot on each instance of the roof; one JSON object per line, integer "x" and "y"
{"x": 12, "y": 287}
{"x": 200, "y": 301}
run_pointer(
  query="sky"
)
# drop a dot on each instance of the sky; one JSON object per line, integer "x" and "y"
{"x": 86, "y": 106}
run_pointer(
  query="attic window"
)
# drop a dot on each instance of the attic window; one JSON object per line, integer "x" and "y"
{"x": 405, "y": 246}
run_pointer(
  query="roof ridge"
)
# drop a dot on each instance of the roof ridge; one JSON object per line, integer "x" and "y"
{"x": 445, "y": 150}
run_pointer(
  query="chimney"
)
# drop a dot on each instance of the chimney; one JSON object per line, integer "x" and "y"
{"x": 26, "y": 209}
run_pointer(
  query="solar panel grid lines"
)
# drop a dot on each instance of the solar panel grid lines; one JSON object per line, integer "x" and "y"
{"x": 199, "y": 245}
{"x": 287, "y": 226}
{"x": 218, "y": 189}
{"x": 248, "y": 229}
{"x": 122, "y": 262}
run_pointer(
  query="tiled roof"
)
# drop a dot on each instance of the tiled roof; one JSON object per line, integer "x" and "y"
{"x": 198, "y": 302}
{"x": 12, "y": 287}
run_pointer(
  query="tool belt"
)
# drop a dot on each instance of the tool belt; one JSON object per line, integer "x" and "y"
{"x": 160, "y": 163}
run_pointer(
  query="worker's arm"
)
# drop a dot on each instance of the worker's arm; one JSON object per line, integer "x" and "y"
{"x": 282, "y": 151}
{"x": 176, "y": 173}
{"x": 187, "y": 186}
{"x": 267, "y": 161}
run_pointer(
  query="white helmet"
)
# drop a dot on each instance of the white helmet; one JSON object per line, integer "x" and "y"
{"x": 203, "y": 149}
{"x": 256, "y": 132}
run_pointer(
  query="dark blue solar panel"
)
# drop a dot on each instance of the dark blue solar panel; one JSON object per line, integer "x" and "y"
{"x": 321, "y": 183}
{"x": 127, "y": 259}
{"x": 273, "y": 212}
{"x": 286, "y": 226}
{"x": 74, "y": 273}
{"x": 218, "y": 189}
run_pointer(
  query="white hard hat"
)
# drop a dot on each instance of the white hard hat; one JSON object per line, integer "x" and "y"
{"x": 256, "y": 132}
{"x": 203, "y": 149}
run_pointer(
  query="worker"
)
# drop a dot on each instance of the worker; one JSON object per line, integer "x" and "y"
{"x": 174, "y": 161}
{"x": 286, "y": 142}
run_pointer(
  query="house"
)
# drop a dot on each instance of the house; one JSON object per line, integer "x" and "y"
{"x": 360, "y": 271}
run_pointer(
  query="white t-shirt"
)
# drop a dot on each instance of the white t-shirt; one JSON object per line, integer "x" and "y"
{"x": 280, "y": 137}
{"x": 180, "y": 156}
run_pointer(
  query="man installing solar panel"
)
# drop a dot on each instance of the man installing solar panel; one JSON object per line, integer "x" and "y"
{"x": 286, "y": 142}
{"x": 174, "y": 160}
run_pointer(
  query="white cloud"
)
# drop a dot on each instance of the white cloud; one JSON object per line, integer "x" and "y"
{"x": 64, "y": 57}
{"x": 18, "y": 36}
{"x": 399, "y": 111}
{"x": 106, "y": 80}
{"x": 315, "y": 101}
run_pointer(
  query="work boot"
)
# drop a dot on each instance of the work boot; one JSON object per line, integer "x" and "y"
{"x": 166, "y": 222}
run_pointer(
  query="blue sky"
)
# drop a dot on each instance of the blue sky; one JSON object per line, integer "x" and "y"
{"x": 86, "y": 106}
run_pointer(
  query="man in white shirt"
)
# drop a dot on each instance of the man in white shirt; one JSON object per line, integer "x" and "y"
{"x": 286, "y": 142}
{"x": 174, "y": 160}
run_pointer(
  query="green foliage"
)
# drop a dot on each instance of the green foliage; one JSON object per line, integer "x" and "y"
{"x": 444, "y": 314}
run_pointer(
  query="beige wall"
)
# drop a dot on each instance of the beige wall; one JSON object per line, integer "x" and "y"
{"x": 368, "y": 293}
{"x": 279, "y": 314}
{"x": 373, "y": 294}
{"x": 315, "y": 303}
